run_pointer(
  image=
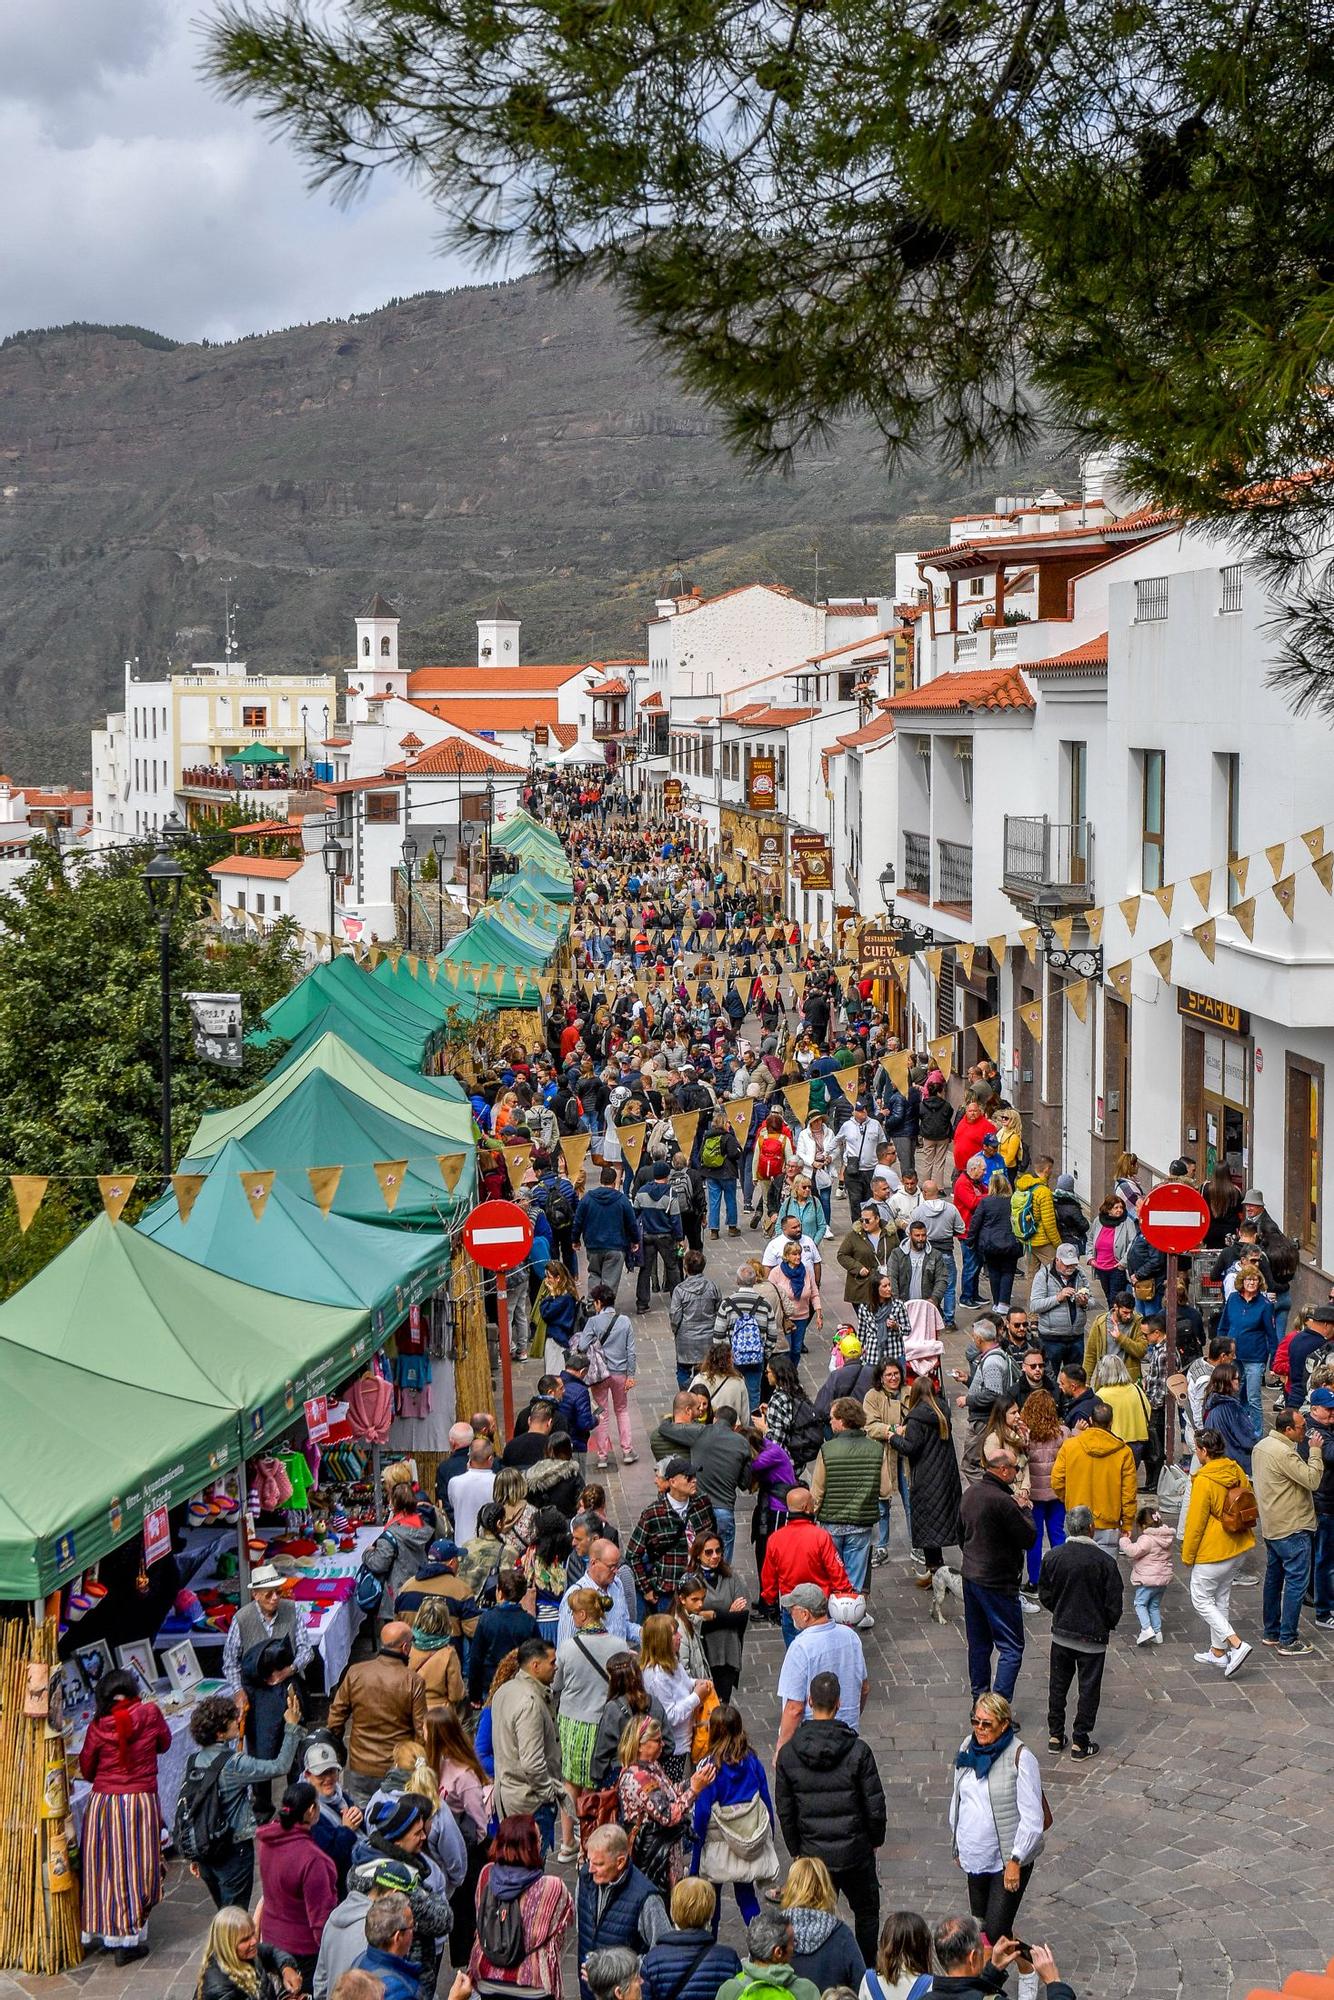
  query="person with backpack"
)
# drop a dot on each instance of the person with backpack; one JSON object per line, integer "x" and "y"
{"x": 214, "y": 1825}
{"x": 719, "y": 1163}
{"x": 748, "y": 1321}
{"x": 554, "y": 1196}
{"x": 933, "y": 1154}
{"x": 902, "y": 1969}
{"x": 1033, "y": 1213}
{"x": 523, "y": 1915}
{"x": 898, "y": 1112}
{"x": 1221, "y": 1518}
{"x": 685, "y": 1962}
{"x": 660, "y": 1231}
{"x": 772, "y": 1156}
{"x": 766, "y": 1970}
{"x": 609, "y": 1337}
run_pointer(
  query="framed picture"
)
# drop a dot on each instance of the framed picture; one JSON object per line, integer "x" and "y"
{"x": 73, "y": 1688}
{"x": 184, "y": 1672}
{"x": 94, "y": 1661}
{"x": 138, "y": 1660}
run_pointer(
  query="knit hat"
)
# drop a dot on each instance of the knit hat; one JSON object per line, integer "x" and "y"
{"x": 392, "y": 1818}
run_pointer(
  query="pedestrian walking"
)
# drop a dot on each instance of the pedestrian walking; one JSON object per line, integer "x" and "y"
{"x": 1219, "y": 1529}
{"x": 902, "y": 1967}
{"x": 849, "y": 1480}
{"x": 1287, "y": 1479}
{"x": 734, "y": 1816}
{"x": 934, "y": 1480}
{"x": 525, "y": 1744}
{"x": 692, "y": 1313}
{"x": 831, "y": 1804}
{"x": 996, "y": 1534}
{"x": 122, "y": 1845}
{"x": 298, "y": 1883}
{"x": 615, "y": 1901}
{"x": 512, "y": 1885}
{"x": 824, "y": 1950}
{"x": 215, "y": 1725}
{"x": 1080, "y": 1584}
{"x": 1045, "y": 1435}
{"x": 614, "y": 1334}
{"x": 237, "y": 1966}
{"x": 1150, "y": 1551}
{"x": 996, "y": 1815}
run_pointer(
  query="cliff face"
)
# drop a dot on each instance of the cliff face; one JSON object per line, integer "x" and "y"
{"x": 501, "y": 438}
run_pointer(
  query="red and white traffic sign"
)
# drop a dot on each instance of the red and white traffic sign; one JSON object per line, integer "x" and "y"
{"x": 498, "y": 1236}
{"x": 1174, "y": 1218}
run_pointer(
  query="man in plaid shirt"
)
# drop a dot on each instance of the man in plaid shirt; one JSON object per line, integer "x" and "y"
{"x": 658, "y": 1551}
{"x": 1153, "y": 1381}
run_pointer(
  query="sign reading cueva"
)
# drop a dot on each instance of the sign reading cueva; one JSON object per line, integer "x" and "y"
{"x": 878, "y": 947}
{"x": 1213, "y": 1013}
{"x": 762, "y": 784}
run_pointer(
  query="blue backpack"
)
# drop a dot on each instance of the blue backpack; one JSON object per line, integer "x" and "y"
{"x": 747, "y": 1340}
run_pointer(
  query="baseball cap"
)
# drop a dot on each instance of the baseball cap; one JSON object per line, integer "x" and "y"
{"x": 320, "y": 1757}
{"x": 805, "y": 1597}
{"x": 1066, "y": 1253}
{"x": 443, "y": 1551}
{"x": 678, "y": 1468}
{"x": 1322, "y": 1399}
{"x": 393, "y": 1875}
{"x": 850, "y": 1345}
{"x": 1323, "y": 1316}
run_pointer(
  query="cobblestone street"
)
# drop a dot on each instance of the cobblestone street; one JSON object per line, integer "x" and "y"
{"x": 1191, "y": 1858}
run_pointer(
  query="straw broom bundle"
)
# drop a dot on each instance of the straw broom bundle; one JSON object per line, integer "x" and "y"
{"x": 39, "y": 1931}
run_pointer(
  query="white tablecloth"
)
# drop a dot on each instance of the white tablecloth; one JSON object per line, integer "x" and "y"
{"x": 170, "y": 1771}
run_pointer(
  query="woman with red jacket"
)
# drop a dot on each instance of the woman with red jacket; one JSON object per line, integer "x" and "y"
{"x": 297, "y": 1879}
{"x": 122, "y": 1832}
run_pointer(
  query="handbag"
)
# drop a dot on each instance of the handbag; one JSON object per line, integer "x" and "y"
{"x": 739, "y": 1844}
{"x": 598, "y": 1370}
{"x": 1143, "y": 1288}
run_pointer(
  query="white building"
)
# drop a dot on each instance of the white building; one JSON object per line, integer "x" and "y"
{"x": 29, "y": 813}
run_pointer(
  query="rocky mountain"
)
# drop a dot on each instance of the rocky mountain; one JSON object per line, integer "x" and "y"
{"x": 501, "y": 438}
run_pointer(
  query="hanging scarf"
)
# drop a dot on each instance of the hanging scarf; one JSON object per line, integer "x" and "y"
{"x": 431, "y": 1642}
{"x": 979, "y": 1757}
{"x": 121, "y": 1715}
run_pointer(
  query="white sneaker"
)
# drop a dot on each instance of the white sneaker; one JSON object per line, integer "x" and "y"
{"x": 1235, "y": 1658}
{"x": 866, "y": 1621}
{"x": 1029, "y": 1605}
{"x": 1207, "y": 1659}
{"x": 1157, "y": 1638}
{"x": 1146, "y": 1637}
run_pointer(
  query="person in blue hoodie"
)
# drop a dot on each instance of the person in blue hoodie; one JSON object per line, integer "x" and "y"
{"x": 738, "y": 1778}
{"x": 1227, "y": 1413}
{"x": 605, "y": 1224}
{"x": 1248, "y": 1320}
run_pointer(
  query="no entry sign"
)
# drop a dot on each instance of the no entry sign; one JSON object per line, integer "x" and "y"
{"x": 1174, "y": 1218}
{"x": 498, "y": 1236}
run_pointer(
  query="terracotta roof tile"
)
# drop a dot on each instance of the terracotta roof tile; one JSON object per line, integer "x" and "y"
{"x": 1093, "y": 653}
{"x": 987, "y": 689}
{"x": 273, "y": 867}
{"x": 453, "y": 755}
{"x": 761, "y": 715}
{"x": 653, "y": 701}
{"x": 514, "y": 681}
{"x": 878, "y": 730}
{"x": 850, "y": 608}
{"x": 266, "y": 829}
{"x": 499, "y": 716}
{"x": 1019, "y": 548}
{"x": 565, "y": 733}
{"x": 605, "y": 690}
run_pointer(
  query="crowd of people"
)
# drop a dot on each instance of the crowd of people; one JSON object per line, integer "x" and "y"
{"x": 553, "y": 1688}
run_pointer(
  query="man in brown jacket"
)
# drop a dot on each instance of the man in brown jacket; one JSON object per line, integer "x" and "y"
{"x": 379, "y": 1703}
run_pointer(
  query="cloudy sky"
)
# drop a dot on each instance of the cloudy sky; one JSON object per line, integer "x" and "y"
{"x": 134, "y": 194}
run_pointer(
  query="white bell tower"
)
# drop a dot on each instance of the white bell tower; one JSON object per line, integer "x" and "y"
{"x": 498, "y": 638}
{"x": 377, "y": 668}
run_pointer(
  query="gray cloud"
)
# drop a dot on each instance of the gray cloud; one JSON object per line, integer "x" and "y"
{"x": 137, "y": 195}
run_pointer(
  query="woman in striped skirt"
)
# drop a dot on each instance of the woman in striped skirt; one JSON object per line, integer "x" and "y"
{"x": 122, "y": 1829}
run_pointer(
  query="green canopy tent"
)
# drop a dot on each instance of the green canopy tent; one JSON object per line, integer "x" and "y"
{"x": 520, "y": 832}
{"x": 297, "y": 1251}
{"x": 258, "y": 753}
{"x": 321, "y": 1122}
{"x": 408, "y": 1030}
{"x": 535, "y": 874}
{"x": 361, "y": 1040}
{"x": 438, "y": 1123}
{"x": 485, "y": 945}
{"x": 459, "y": 1006}
{"x": 535, "y": 938}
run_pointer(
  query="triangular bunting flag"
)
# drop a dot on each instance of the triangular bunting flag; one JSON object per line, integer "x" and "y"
{"x": 1093, "y": 925}
{"x": 389, "y": 1174}
{"x": 988, "y": 1033}
{"x": 498, "y": 977}
{"x": 1028, "y": 938}
{"x": 517, "y": 1161}
{"x": 1077, "y": 993}
{"x": 1161, "y": 954}
{"x": 935, "y": 958}
{"x": 966, "y": 953}
{"x": 452, "y": 973}
{"x": 1324, "y": 872}
{"x": 258, "y": 1185}
{"x": 1239, "y": 870}
{"x": 942, "y": 1054}
{"x": 324, "y": 1186}
{"x": 1274, "y": 856}
{"x": 433, "y": 968}
{"x": 115, "y": 1190}
{"x": 898, "y": 1067}
{"x": 1203, "y": 884}
{"x": 451, "y": 1167}
{"x": 574, "y": 1151}
{"x": 1129, "y": 908}
{"x": 685, "y": 1124}
{"x": 632, "y": 1142}
{"x": 1031, "y": 1016}
{"x": 1205, "y": 936}
{"x": 1285, "y": 894}
{"x": 1063, "y": 930}
{"x": 1314, "y": 842}
{"x": 520, "y": 981}
{"x": 797, "y": 981}
{"x": 412, "y": 960}
{"x": 1245, "y": 916}
{"x": 738, "y": 1117}
{"x": 798, "y": 1096}
{"x": 1165, "y": 897}
{"x": 1120, "y": 978}
{"x": 996, "y": 946}
{"x": 28, "y": 1192}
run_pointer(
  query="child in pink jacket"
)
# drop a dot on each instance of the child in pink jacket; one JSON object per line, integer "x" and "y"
{"x": 1150, "y": 1550}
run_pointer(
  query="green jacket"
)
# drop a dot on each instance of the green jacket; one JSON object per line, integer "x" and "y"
{"x": 850, "y": 1479}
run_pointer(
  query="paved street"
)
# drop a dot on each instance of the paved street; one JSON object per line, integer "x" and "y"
{"x": 1190, "y": 1859}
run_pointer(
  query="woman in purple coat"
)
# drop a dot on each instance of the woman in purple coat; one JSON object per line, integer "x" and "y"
{"x": 772, "y": 1474}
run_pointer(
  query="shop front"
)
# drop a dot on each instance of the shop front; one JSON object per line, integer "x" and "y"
{"x": 1217, "y": 1070}
{"x": 753, "y": 847}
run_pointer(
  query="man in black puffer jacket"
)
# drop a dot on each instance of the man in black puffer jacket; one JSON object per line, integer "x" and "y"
{"x": 831, "y": 1805}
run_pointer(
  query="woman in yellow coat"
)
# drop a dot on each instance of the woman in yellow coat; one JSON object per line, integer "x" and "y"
{"x": 1212, "y": 1549}
{"x": 1126, "y": 1400}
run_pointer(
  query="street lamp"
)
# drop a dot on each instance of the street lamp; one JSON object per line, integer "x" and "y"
{"x": 1084, "y": 961}
{"x": 490, "y": 822}
{"x": 410, "y": 851}
{"x": 164, "y": 878}
{"x": 332, "y": 851}
{"x": 910, "y": 936}
{"x": 439, "y": 843}
{"x": 468, "y": 832}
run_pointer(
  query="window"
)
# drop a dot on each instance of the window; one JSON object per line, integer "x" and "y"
{"x": 1150, "y": 600}
{"x": 1229, "y": 578}
{"x": 847, "y": 683}
{"x": 254, "y": 715}
{"x": 240, "y": 899}
{"x": 1152, "y": 807}
{"x": 977, "y": 587}
{"x": 781, "y": 763}
{"x": 259, "y": 902}
{"x": 1228, "y": 765}
{"x": 366, "y": 649}
{"x": 1302, "y": 1154}
{"x": 708, "y": 756}
{"x": 382, "y": 808}
{"x": 277, "y": 906}
{"x": 384, "y": 649}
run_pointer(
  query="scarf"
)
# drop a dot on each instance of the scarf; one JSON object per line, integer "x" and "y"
{"x": 978, "y": 1757}
{"x": 431, "y": 1642}
{"x": 121, "y": 1717}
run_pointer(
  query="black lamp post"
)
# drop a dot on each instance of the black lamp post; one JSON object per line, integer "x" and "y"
{"x": 909, "y": 936}
{"x": 1084, "y": 961}
{"x": 439, "y": 842}
{"x": 490, "y": 822}
{"x": 332, "y": 851}
{"x": 163, "y": 879}
{"x": 410, "y": 851}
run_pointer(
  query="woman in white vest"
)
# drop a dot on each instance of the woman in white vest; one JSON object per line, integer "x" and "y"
{"x": 998, "y": 1816}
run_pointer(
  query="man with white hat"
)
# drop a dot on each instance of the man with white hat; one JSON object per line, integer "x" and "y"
{"x": 269, "y": 1624}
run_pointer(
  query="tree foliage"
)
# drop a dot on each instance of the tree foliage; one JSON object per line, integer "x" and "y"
{"x": 80, "y": 1026}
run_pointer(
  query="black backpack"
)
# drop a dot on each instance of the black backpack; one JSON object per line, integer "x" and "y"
{"x": 551, "y": 1197}
{"x": 808, "y": 1434}
{"x": 200, "y": 1828}
{"x": 500, "y": 1929}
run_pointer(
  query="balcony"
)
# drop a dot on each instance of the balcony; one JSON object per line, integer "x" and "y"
{"x": 954, "y": 880}
{"x": 1051, "y": 854}
{"x": 917, "y": 865}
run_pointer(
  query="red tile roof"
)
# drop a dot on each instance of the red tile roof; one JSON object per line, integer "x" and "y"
{"x": 760, "y": 715}
{"x": 1093, "y": 653}
{"x": 606, "y": 689}
{"x": 852, "y": 608}
{"x": 493, "y": 680}
{"x": 271, "y": 866}
{"x": 337, "y": 742}
{"x": 989, "y": 688}
{"x": 451, "y": 755}
{"x": 56, "y": 798}
{"x": 268, "y": 828}
{"x": 878, "y": 730}
{"x": 411, "y": 741}
{"x": 653, "y": 701}
{"x": 834, "y": 652}
{"x": 505, "y": 716}
{"x": 565, "y": 733}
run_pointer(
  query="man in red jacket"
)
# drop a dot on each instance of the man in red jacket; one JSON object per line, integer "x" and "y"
{"x": 801, "y": 1551}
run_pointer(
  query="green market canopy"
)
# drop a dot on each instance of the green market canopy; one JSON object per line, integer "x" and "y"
{"x": 408, "y": 1030}
{"x": 320, "y": 1122}
{"x": 126, "y": 1340}
{"x": 258, "y": 753}
{"x": 521, "y": 834}
{"x": 534, "y": 875}
{"x": 295, "y": 1250}
{"x": 361, "y": 1041}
